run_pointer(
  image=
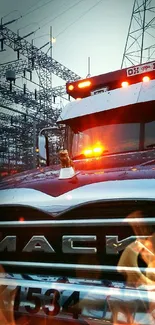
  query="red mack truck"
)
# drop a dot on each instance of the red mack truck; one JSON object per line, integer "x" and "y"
{"x": 77, "y": 242}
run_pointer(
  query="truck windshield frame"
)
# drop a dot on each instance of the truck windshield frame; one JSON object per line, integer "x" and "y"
{"x": 122, "y": 131}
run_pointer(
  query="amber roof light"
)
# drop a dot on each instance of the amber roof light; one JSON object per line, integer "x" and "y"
{"x": 125, "y": 84}
{"x": 84, "y": 84}
{"x": 146, "y": 79}
{"x": 70, "y": 87}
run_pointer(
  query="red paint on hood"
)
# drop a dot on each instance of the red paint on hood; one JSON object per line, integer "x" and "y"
{"x": 47, "y": 180}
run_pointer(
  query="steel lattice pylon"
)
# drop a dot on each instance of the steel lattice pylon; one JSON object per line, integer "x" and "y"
{"x": 28, "y": 103}
{"x": 41, "y": 63}
{"x": 140, "y": 42}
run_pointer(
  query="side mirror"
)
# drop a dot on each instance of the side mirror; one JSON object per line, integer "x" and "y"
{"x": 43, "y": 148}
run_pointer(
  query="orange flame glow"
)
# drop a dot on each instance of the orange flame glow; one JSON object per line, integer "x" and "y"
{"x": 129, "y": 259}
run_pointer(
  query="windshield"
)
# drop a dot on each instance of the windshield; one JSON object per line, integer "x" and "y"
{"x": 113, "y": 137}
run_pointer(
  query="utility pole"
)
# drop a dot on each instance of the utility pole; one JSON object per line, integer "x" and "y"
{"x": 52, "y": 40}
{"x": 34, "y": 142}
{"x": 140, "y": 42}
{"x": 51, "y": 50}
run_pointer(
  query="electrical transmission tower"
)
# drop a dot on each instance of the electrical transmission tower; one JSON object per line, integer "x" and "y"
{"x": 36, "y": 61}
{"x": 140, "y": 42}
{"x": 27, "y": 102}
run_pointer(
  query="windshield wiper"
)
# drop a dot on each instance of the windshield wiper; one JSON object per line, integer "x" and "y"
{"x": 149, "y": 162}
{"x": 151, "y": 146}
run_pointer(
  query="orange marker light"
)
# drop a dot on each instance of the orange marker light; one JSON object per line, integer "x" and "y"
{"x": 96, "y": 151}
{"x": 84, "y": 84}
{"x": 70, "y": 87}
{"x": 78, "y": 98}
{"x": 134, "y": 169}
{"x": 124, "y": 84}
{"x": 21, "y": 219}
{"x": 146, "y": 79}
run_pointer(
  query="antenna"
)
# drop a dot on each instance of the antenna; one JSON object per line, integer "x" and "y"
{"x": 88, "y": 75}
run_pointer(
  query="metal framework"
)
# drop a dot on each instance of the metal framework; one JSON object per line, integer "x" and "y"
{"x": 37, "y": 58}
{"x": 16, "y": 142}
{"x": 28, "y": 103}
{"x": 37, "y": 61}
{"x": 140, "y": 42}
{"x": 22, "y": 69}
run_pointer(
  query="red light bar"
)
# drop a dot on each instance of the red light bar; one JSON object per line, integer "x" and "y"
{"x": 111, "y": 80}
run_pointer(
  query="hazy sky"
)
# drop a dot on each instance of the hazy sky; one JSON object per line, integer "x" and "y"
{"x": 81, "y": 30}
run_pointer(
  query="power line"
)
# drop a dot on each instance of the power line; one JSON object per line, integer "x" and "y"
{"x": 62, "y": 13}
{"x": 33, "y": 10}
{"x": 92, "y": 7}
{"x": 29, "y": 12}
{"x": 50, "y": 14}
{"x": 84, "y": 13}
{"x": 59, "y": 15}
{"x": 33, "y": 6}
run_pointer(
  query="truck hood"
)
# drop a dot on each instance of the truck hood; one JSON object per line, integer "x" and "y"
{"x": 88, "y": 171}
{"x": 43, "y": 189}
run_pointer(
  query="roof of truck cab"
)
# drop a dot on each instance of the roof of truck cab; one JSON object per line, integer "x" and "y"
{"x": 120, "y": 97}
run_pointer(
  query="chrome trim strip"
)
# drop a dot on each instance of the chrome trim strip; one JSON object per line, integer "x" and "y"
{"x": 81, "y": 222}
{"x": 136, "y": 189}
{"x": 80, "y": 267}
{"x": 125, "y": 292}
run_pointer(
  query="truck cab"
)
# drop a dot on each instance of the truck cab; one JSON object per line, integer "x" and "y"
{"x": 77, "y": 240}
{"x": 113, "y": 117}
